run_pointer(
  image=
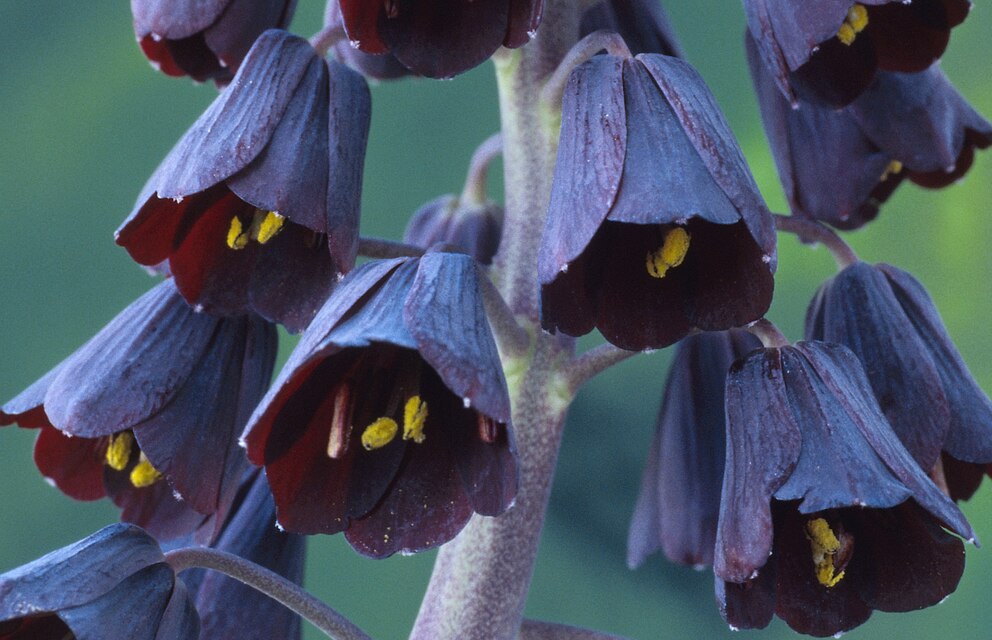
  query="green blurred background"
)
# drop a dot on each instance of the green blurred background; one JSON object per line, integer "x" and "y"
{"x": 84, "y": 120}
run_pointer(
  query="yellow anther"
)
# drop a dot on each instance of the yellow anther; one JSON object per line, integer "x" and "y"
{"x": 824, "y": 545}
{"x": 379, "y": 433}
{"x": 144, "y": 474}
{"x": 670, "y": 254}
{"x": 414, "y": 417}
{"x": 237, "y": 239}
{"x": 854, "y": 23}
{"x": 119, "y": 450}
{"x": 891, "y": 169}
{"x": 265, "y": 225}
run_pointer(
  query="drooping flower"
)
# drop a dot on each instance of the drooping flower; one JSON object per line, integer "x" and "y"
{"x": 642, "y": 24}
{"x": 149, "y": 410}
{"x": 679, "y": 502}
{"x": 830, "y": 50}
{"x": 256, "y": 208}
{"x": 204, "y": 40}
{"x": 390, "y": 419}
{"x": 230, "y": 609}
{"x": 655, "y": 225}
{"x": 442, "y": 38}
{"x": 839, "y": 166}
{"x": 112, "y": 584}
{"x": 824, "y": 516}
{"x": 939, "y": 412}
{"x": 472, "y": 227}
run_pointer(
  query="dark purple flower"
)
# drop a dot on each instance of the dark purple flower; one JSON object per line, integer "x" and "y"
{"x": 642, "y": 24}
{"x": 824, "y": 516}
{"x": 149, "y": 410}
{"x": 206, "y": 40}
{"x": 231, "y": 610}
{"x": 381, "y": 66}
{"x": 256, "y": 208}
{"x": 390, "y": 421}
{"x": 839, "y": 166}
{"x": 114, "y": 585}
{"x": 655, "y": 225}
{"x": 472, "y": 227}
{"x": 442, "y": 38}
{"x": 830, "y": 50}
{"x": 679, "y": 503}
{"x": 939, "y": 412}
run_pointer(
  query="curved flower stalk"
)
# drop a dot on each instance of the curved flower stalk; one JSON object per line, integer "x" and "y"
{"x": 112, "y": 584}
{"x": 831, "y": 50}
{"x": 643, "y": 25}
{"x": 655, "y": 226}
{"x": 824, "y": 516}
{"x": 148, "y": 412}
{"x": 204, "y": 40}
{"x": 256, "y": 207}
{"x": 390, "y": 419}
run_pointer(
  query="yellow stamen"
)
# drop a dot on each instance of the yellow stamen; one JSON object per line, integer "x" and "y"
{"x": 892, "y": 169}
{"x": 119, "y": 450}
{"x": 670, "y": 254}
{"x": 854, "y": 23}
{"x": 824, "y": 545}
{"x": 266, "y": 225}
{"x": 414, "y": 417}
{"x": 144, "y": 474}
{"x": 379, "y": 433}
{"x": 237, "y": 239}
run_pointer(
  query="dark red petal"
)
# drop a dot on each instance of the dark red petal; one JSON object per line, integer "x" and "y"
{"x": 74, "y": 465}
{"x": 361, "y": 23}
{"x": 524, "y": 18}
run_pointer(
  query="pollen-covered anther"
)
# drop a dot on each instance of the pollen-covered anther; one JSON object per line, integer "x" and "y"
{"x": 379, "y": 433}
{"x": 414, "y": 417}
{"x": 237, "y": 239}
{"x": 265, "y": 225}
{"x": 891, "y": 169}
{"x": 144, "y": 474}
{"x": 119, "y": 450}
{"x": 671, "y": 253}
{"x": 854, "y": 23}
{"x": 830, "y": 552}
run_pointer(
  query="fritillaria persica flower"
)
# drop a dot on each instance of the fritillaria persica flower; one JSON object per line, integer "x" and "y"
{"x": 390, "y": 419}
{"x": 824, "y": 515}
{"x": 442, "y": 38}
{"x": 679, "y": 503}
{"x": 840, "y": 165}
{"x": 655, "y": 225}
{"x": 204, "y": 40}
{"x": 642, "y": 24}
{"x": 939, "y": 412}
{"x": 474, "y": 228}
{"x": 830, "y": 50}
{"x": 112, "y": 585}
{"x": 151, "y": 407}
{"x": 256, "y": 208}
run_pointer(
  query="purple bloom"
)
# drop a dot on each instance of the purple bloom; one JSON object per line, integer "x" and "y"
{"x": 472, "y": 227}
{"x": 679, "y": 502}
{"x": 830, "y": 50}
{"x": 390, "y": 419}
{"x": 256, "y": 208}
{"x": 839, "y": 166}
{"x": 204, "y": 40}
{"x": 442, "y": 38}
{"x": 151, "y": 407}
{"x": 655, "y": 225}
{"x": 113, "y": 585}
{"x": 939, "y": 412}
{"x": 824, "y": 515}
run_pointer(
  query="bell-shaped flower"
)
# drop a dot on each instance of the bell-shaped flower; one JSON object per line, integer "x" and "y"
{"x": 642, "y": 24}
{"x": 442, "y": 38}
{"x": 824, "y": 516}
{"x": 256, "y": 207}
{"x": 922, "y": 384}
{"x": 655, "y": 226}
{"x": 114, "y": 585}
{"x": 472, "y": 227}
{"x": 839, "y": 166}
{"x": 149, "y": 411}
{"x": 390, "y": 420}
{"x": 831, "y": 50}
{"x": 679, "y": 502}
{"x": 206, "y": 40}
